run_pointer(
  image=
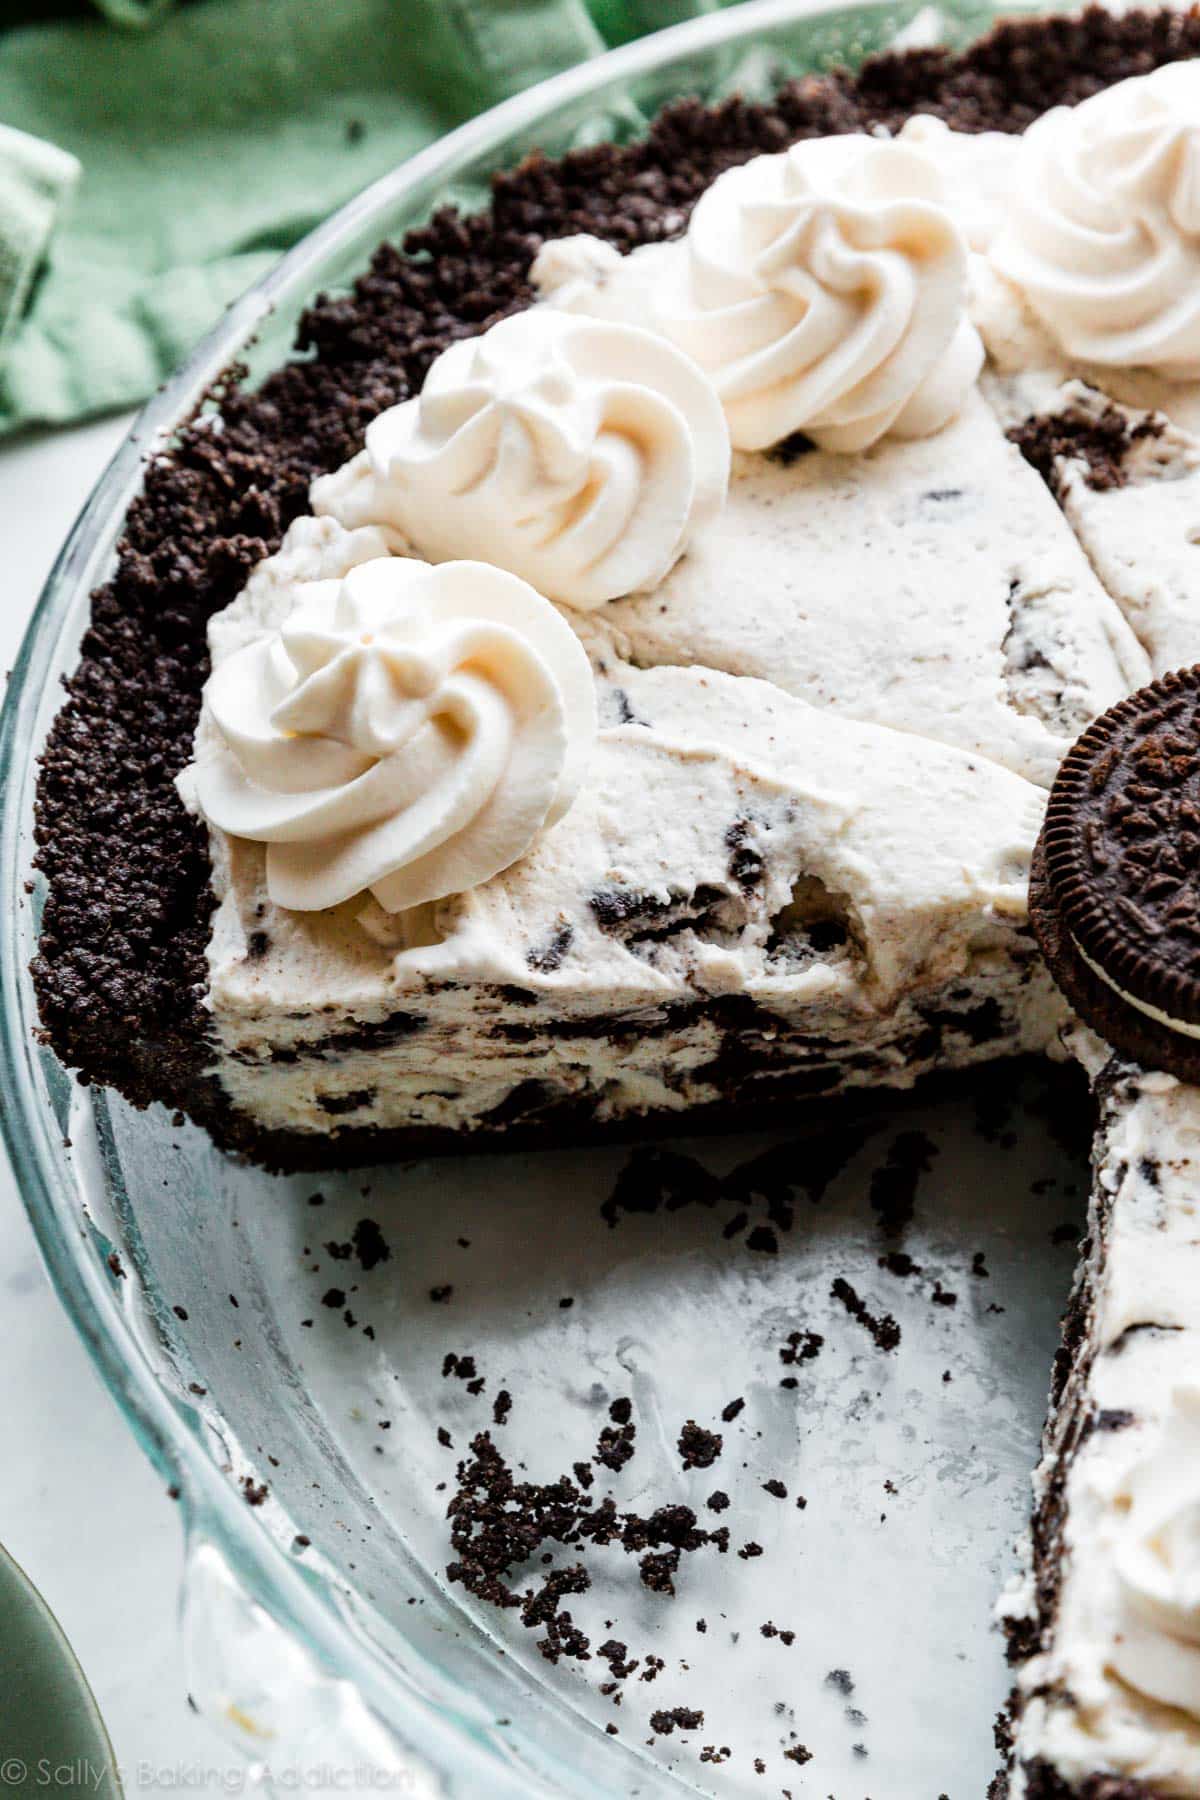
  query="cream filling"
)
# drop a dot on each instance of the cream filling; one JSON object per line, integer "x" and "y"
{"x": 927, "y": 586}
{"x": 1184, "y": 1027}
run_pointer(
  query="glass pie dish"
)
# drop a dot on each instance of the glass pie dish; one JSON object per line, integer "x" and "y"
{"x": 306, "y": 1436}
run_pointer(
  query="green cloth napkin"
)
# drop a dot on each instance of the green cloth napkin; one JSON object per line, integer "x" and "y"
{"x": 210, "y": 137}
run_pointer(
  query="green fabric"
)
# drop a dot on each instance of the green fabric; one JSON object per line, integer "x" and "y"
{"x": 36, "y": 182}
{"x": 211, "y": 137}
{"x": 134, "y": 12}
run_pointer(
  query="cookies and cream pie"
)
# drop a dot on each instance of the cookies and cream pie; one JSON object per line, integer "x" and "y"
{"x": 616, "y": 677}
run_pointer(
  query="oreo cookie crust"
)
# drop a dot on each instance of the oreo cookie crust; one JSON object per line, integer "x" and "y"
{"x": 1114, "y": 897}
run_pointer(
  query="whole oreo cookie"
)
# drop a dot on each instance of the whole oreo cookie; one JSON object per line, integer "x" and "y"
{"x": 1115, "y": 891}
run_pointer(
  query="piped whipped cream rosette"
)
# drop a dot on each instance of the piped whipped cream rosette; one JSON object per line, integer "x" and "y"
{"x": 822, "y": 290}
{"x": 977, "y": 171}
{"x": 1103, "y": 233}
{"x": 582, "y": 456}
{"x": 407, "y": 730}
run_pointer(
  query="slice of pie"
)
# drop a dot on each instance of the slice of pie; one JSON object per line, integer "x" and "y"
{"x": 615, "y": 678}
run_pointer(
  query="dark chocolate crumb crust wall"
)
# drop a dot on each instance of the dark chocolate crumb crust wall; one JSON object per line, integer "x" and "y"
{"x": 121, "y": 970}
{"x": 1070, "y": 1422}
{"x": 1044, "y": 1783}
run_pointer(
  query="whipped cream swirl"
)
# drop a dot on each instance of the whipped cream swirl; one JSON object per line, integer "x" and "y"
{"x": 583, "y": 456}
{"x": 1103, "y": 234}
{"x": 1157, "y": 1648}
{"x": 977, "y": 171}
{"x": 824, "y": 291}
{"x": 408, "y": 730}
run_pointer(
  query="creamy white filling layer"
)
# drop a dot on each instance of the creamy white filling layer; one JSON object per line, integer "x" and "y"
{"x": 927, "y": 586}
{"x": 1186, "y": 1027}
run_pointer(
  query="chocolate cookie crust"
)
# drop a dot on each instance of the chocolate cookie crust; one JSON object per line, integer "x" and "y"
{"x": 121, "y": 972}
{"x": 1044, "y": 1783}
{"x": 1114, "y": 881}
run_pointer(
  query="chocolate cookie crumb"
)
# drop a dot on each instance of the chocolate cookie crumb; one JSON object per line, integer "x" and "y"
{"x": 699, "y": 1449}
{"x": 657, "y": 1571}
{"x": 686, "y": 1718}
{"x": 711, "y": 1754}
{"x": 370, "y": 1245}
{"x": 771, "y": 1630}
{"x": 801, "y": 1347}
{"x": 885, "y": 1330}
{"x": 1101, "y": 440}
{"x": 899, "y": 1262}
{"x": 615, "y": 1445}
{"x": 616, "y": 1655}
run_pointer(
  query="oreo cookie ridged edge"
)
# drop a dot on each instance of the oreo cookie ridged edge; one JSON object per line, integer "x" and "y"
{"x": 1115, "y": 890}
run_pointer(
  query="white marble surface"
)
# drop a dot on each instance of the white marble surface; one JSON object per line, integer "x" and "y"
{"x": 80, "y": 1507}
